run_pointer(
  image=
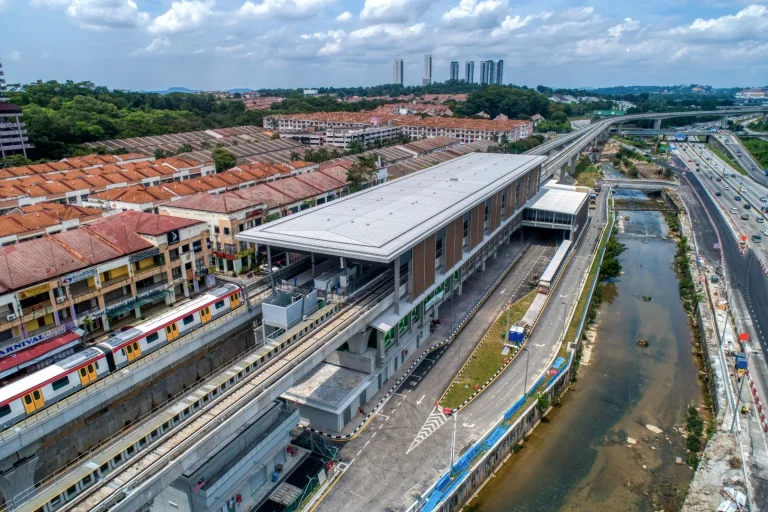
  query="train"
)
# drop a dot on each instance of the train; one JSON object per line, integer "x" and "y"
{"x": 24, "y": 397}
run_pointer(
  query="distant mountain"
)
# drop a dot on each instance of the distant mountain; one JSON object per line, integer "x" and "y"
{"x": 187, "y": 90}
{"x": 241, "y": 90}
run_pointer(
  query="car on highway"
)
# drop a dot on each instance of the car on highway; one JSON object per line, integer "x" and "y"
{"x": 765, "y": 232}
{"x": 760, "y": 220}
{"x": 718, "y": 179}
{"x": 718, "y": 194}
{"x": 734, "y": 210}
{"x": 763, "y": 199}
{"x": 757, "y": 239}
{"x": 737, "y": 198}
{"x": 747, "y": 206}
{"x": 727, "y": 187}
{"x": 744, "y": 216}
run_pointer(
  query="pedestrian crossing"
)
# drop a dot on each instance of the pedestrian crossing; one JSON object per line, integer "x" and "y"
{"x": 435, "y": 420}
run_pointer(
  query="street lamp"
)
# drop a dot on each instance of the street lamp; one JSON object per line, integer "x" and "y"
{"x": 525, "y": 382}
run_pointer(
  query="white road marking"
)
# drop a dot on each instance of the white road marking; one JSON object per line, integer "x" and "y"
{"x": 435, "y": 420}
{"x": 418, "y": 402}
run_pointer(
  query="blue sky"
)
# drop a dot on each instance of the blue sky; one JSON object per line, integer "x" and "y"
{"x": 216, "y": 44}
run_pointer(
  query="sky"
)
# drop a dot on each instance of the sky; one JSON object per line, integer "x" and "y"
{"x": 221, "y": 44}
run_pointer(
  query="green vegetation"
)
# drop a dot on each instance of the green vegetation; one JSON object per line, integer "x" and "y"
{"x": 361, "y": 172}
{"x": 223, "y": 159}
{"x": 487, "y": 357}
{"x": 542, "y": 401}
{"x": 758, "y": 126}
{"x": 695, "y": 430}
{"x": 62, "y": 116}
{"x": 758, "y": 148}
{"x": 611, "y": 266}
{"x": 586, "y": 173}
{"x": 722, "y": 156}
{"x": 515, "y": 148}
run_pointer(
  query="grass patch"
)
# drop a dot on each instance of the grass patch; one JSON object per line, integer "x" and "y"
{"x": 487, "y": 357}
{"x": 758, "y": 148}
{"x": 726, "y": 159}
{"x": 586, "y": 173}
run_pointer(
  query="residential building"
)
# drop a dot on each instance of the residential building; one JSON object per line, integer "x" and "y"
{"x": 455, "y": 71}
{"x": 38, "y": 220}
{"x": 465, "y": 130}
{"x": 310, "y": 92}
{"x": 97, "y": 276}
{"x": 485, "y": 72}
{"x": 559, "y": 98}
{"x": 427, "y": 78}
{"x": 752, "y": 94}
{"x": 397, "y": 72}
{"x": 497, "y": 72}
{"x": 469, "y": 72}
{"x": 341, "y": 138}
{"x": 13, "y": 134}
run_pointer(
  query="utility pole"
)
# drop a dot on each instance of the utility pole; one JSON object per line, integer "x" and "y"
{"x": 738, "y": 400}
{"x": 525, "y": 382}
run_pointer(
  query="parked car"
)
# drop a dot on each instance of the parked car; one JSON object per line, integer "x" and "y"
{"x": 718, "y": 194}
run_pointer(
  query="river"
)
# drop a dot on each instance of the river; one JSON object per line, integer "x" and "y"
{"x": 580, "y": 458}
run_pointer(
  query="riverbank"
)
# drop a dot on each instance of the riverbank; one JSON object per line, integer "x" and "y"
{"x": 617, "y": 440}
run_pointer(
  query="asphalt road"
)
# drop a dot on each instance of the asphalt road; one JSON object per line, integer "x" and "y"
{"x": 407, "y": 446}
{"x": 744, "y": 158}
{"x": 744, "y": 272}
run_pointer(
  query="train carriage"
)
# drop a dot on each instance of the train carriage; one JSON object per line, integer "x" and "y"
{"x": 127, "y": 346}
{"x": 25, "y": 396}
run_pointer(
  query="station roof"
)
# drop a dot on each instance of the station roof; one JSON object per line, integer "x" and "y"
{"x": 559, "y": 199}
{"x": 379, "y": 223}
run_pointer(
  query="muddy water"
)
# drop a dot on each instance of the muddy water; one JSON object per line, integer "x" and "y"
{"x": 581, "y": 459}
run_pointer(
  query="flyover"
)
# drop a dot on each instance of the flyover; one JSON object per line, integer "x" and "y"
{"x": 640, "y": 184}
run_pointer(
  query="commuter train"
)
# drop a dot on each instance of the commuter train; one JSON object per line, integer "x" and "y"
{"x": 27, "y": 395}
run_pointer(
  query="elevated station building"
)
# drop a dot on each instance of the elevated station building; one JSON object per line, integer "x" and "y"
{"x": 426, "y": 233}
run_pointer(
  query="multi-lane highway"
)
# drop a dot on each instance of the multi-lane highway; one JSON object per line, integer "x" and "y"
{"x": 741, "y": 156}
{"x": 740, "y": 197}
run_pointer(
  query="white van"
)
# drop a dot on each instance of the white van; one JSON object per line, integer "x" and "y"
{"x": 734, "y": 210}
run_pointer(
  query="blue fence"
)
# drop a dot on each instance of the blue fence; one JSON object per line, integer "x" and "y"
{"x": 512, "y": 410}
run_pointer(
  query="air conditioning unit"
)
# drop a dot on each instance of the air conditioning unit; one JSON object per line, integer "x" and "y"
{"x": 10, "y": 317}
{"x": 59, "y": 300}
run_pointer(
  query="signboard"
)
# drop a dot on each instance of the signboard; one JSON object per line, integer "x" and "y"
{"x": 438, "y": 294}
{"x": 29, "y": 342}
{"x": 200, "y": 485}
{"x": 741, "y": 372}
{"x": 201, "y": 272}
{"x": 744, "y": 337}
{"x": 173, "y": 237}
{"x": 144, "y": 254}
{"x": 31, "y": 292}
{"x": 243, "y": 254}
{"x": 78, "y": 276}
{"x": 716, "y": 247}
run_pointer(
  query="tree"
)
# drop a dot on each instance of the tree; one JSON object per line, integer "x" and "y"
{"x": 355, "y": 147}
{"x": 160, "y": 153}
{"x": 274, "y": 136}
{"x": 237, "y": 95}
{"x": 361, "y": 172}
{"x": 294, "y": 156}
{"x": 542, "y": 401}
{"x": 185, "y": 148}
{"x": 223, "y": 159}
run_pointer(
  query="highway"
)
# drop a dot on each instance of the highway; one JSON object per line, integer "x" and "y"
{"x": 725, "y": 192}
{"x": 740, "y": 155}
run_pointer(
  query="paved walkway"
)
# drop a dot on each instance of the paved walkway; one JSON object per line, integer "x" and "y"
{"x": 407, "y": 447}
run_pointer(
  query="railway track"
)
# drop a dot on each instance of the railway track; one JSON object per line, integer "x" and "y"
{"x": 159, "y": 454}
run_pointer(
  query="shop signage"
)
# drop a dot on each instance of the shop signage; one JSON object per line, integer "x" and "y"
{"x": 243, "y": 254}
{"x": 29, "y": 342}
{"x": 78, "y": 276}
{"x": 200, "y": 484}
{"x": 31, "y": 292}
{"x": 173, "y": 237}
{"x": 144, "y": 254}
{"x": 432, "y": 300}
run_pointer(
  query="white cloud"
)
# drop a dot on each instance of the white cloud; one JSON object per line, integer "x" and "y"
{"x": 158, "y": 44}
{"x": 388, "y": 31}
{"x": 628, "y": 25}
{"x": 286, "y": 9}
{"x": 98, "y": 14}
{"x": 330, "y": 49}
{"x": 510, "y": 24}
{"x": 480, "y": 13}
{"x": 395, "y": 11}
{"x": 345, "y": 16}
{"x": 749, "y": 23}
{"x": 183, "y": 15}
{"x": 15, "y": 55}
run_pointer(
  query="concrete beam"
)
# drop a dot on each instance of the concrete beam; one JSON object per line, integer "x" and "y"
{"x": 657, "y": 124}
{"x": 17, "y": 481}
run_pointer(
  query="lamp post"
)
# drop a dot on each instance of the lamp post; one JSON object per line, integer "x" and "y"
{"x": 525, "y": 382}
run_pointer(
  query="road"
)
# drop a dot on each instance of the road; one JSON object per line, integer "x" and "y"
{"x": 741, "y": 156}
{"x": 406, "y": 447}
{"x": 725, "y": 191}
{"x": 749, "y": 305}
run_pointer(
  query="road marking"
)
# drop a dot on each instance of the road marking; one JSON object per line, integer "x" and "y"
{"x": 435, "y": 420}
{"x": 374, "y": 435}
{"x": 398, "y": 394}
{"x": 502, "y": 291}
{"x": 418, "y": 402}
{"x": 358, "y": 453}
{"x": 366, "y": 443}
